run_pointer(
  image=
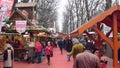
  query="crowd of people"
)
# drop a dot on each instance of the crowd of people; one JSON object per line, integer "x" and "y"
{"x": 33, "y": 52}
{"x": 84, "y": 55}
{"x": 37, "y": 50}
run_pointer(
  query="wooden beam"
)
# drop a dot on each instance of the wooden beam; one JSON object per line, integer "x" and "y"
{"x": 119, "y": 44}
{"x": 103, "y": 36}
{"x": 115, "y": 42}
{"x": 74, "y": 34}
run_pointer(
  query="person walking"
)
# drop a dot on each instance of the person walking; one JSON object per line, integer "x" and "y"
{"x": 8, "y": 58}
{"x": 77, "y": 48}
{"x": 48, "y": 50}
{"x": 31, "y": 52}
{"x": 61, "y": 45}
{"x": 69, "y": 45}
{"x": 38, "y": 51}
{"x": 119, "y": 55}
{"x": 87, "y": 59}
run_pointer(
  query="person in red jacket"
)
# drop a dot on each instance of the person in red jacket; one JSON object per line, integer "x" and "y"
{"x": 38, "y": 51}
{"x": 48, "y": 50}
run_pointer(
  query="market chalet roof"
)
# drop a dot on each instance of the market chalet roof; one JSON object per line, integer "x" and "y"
{"x": 31, "y": 4}
{"x": 106, "y": 18}
{"x": 16, "y": 15}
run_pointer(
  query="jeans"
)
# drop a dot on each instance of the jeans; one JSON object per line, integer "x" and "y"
{"x": 48, "y": 58}
{"x": 38, "y": 55}
{"x": 30, "y": 59}
{"x": 68, "y": 58}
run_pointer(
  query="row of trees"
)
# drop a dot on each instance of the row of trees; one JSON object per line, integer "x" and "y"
{"x": 77, "y": 12}
{"x": 80, "y": 11}
{"x": 46, "y": 12}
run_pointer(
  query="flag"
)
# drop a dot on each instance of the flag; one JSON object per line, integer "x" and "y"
{"x": 5, "y": 10}
{"x": 6, "y": 6}
{"x": 0, "y": 23}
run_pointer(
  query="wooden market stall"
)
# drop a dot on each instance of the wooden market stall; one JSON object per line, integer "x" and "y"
{"x": 2, "y": 43}
{"x": 41, "y": 34}
{"x": 16, "y": 15}
{"x": 62, "y": 35}
{"x": 22, "y": 11}
{"x": 111, "y": 18}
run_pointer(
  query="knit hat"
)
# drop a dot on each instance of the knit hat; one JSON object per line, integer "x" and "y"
{"x": 89, "y": 46}
{"x": 48, "y": 43}
{"x": 75, "y": 40}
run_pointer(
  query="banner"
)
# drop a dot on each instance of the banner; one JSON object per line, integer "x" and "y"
{"x": 5, "y": 10}
{"x": 0, "y": 23}
{"x": 24, "y": 12}
{"x": 21, "y": 26}
{"x": 6, "y": 6}
{"x": 0, "y": 3}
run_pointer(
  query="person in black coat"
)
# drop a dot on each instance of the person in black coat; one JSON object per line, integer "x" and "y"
{"x": 61, "y": 45}
{"x": 69, "y": 45}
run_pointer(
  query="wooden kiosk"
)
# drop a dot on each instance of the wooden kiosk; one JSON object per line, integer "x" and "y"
{"x": 110, "y": 18}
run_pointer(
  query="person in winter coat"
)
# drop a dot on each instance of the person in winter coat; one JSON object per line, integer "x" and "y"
{"x": 48, "y": 50}
{"x": 77, "y": 48}
{"x": 38, "y": 51}
{"x": 31, "y": 52}
{"x": 69, "y": 45}
{"x": 8, "y": 58}
{"x": 87, "y": 59}
{"x": 61, "y": 45}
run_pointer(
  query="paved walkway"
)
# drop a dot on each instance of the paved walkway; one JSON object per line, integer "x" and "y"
{"x": 57, "y": 61}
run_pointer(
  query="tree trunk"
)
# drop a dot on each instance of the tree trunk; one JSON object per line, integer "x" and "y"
{"x": 108, "y": 4}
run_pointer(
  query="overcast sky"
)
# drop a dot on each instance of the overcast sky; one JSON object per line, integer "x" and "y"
{"x": 61, "y": 8}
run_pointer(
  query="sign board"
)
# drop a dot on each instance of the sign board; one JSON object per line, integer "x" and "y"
{"x": 106, "y": 29}
{"x": 21, "y": 26}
